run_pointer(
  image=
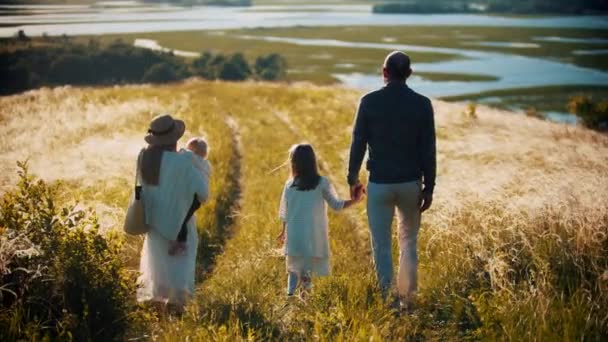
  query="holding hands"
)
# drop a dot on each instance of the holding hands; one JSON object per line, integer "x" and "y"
{"x": 357, "y": 192}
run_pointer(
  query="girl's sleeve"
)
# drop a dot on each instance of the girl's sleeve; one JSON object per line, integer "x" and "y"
{"x": 330, "y": 195}
{"x": 283, "y": 205}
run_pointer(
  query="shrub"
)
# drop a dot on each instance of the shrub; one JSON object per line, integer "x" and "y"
{"x": 209, "y": 66}
{"x": 421, "y": 7}
{"x": 534, "y": 113}
{"x": 72, "y": 69}
{"x": 61, "y": 279}
{"x": 593, "y": 114}
{"x": 21, "y": 36}
{"x": 235, "y": 68}
{"x": 160, "y": 72}
{"x": 14, "y": 78}
{"x": 271, "y": 67}
{"x": 471, "y": 112}
{"x": 67, "y": 62}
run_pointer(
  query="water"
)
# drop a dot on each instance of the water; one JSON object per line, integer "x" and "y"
{"x": 514, "y": 45}
{"x": 591, "y": 52}
{"x": 153, "y": 45}
{"x": 156, "y": 18}
{"x": 511, "y": 71}
{"x": 590, "y": 40}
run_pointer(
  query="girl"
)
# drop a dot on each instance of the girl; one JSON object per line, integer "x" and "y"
{"x": 304, "y": 216}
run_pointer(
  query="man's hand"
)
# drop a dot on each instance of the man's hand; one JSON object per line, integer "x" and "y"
{"x": 358, "y": 195}
{"x": 426, "y": 199}
{"x": 357, "y": 189}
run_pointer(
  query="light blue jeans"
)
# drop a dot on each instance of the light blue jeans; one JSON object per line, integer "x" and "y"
{"x": 382, "y": 200}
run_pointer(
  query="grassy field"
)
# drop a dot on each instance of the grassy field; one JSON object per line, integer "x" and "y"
{"x": 540, "y": 98}
{"x": 513, "y": 248}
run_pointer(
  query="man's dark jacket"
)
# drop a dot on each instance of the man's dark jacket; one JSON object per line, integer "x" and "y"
{"x": 397, "y": 125}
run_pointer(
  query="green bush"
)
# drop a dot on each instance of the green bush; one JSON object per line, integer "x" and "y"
{"x": 421, "y": 7}
{"x": 72, "y": 69}
{"x": 208, "y": 66}
{"x": 159, "y": 73}
{"x": 218, "y": 66}
{"x": 271, "y": 67}
{"x": 235, "y": 68}
{"x": 593, "y": 114}
{"x": 63, "y": 61}
{"x": 61, "y": 279}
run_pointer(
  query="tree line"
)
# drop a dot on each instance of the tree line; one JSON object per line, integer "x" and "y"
{"x": 54, "y": 61}
{"x": 228, "y": 3}
{"x": 493, "y": 6}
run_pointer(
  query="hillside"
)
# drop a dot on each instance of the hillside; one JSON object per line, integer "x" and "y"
{"x": 514, "y": 246}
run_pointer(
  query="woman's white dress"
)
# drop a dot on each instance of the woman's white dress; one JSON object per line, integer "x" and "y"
{"x": 305, "y": 215}
{"x": 167, "y": 278}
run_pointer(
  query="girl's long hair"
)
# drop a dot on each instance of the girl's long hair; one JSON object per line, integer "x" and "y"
{"x": 304, "y": 167}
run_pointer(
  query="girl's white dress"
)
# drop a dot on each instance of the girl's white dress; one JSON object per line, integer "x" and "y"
{"x": 305, "y": 215}
{"x": 167, "y": 278}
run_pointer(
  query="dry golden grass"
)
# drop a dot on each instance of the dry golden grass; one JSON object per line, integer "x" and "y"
{"x": 513, "y": 248}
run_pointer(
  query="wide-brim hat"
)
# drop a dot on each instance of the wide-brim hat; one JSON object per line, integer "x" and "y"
{"x": 165, "y": 130}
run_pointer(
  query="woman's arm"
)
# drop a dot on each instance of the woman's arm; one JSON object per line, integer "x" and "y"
{"x": 281, "y": 237}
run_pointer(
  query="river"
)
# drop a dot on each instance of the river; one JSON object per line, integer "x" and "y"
{"x": 510, "y": 70}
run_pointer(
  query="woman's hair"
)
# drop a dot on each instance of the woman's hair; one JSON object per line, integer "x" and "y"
{"x": 304, "y": 167}
{"x": 151, "y": 160}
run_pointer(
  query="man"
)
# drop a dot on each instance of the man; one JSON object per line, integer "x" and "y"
{"x": 397, "y": 125}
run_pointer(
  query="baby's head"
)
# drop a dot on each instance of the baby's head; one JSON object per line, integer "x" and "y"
{"x": 198, "y": 146}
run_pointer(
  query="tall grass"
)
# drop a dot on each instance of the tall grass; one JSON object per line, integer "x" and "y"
{"x": 513, "y": 248}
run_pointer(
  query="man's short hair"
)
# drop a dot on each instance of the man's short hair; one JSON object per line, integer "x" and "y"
{"x": 397, "y": 65}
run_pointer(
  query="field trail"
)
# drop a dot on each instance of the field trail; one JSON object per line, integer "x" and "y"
{"x": 520, "y": 208}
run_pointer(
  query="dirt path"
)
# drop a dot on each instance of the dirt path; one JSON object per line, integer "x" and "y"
{"x": 227, "y": 206}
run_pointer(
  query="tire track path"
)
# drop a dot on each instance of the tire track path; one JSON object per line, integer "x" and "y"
{"x": 228, "y": 203}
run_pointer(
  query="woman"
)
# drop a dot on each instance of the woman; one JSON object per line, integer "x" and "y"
{"x": 169, "y": 182}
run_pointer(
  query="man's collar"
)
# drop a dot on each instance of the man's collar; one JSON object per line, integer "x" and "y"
{"x": 392, "y": 84}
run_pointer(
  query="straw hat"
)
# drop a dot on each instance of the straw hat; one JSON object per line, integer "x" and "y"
{"x": 165, "y": 130}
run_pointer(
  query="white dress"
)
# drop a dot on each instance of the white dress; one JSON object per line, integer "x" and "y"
{"x": 305, "y": 215}
{"x": 167, "y": 278}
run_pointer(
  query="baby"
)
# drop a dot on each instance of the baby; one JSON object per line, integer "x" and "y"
{"x": 196, "y": 149}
